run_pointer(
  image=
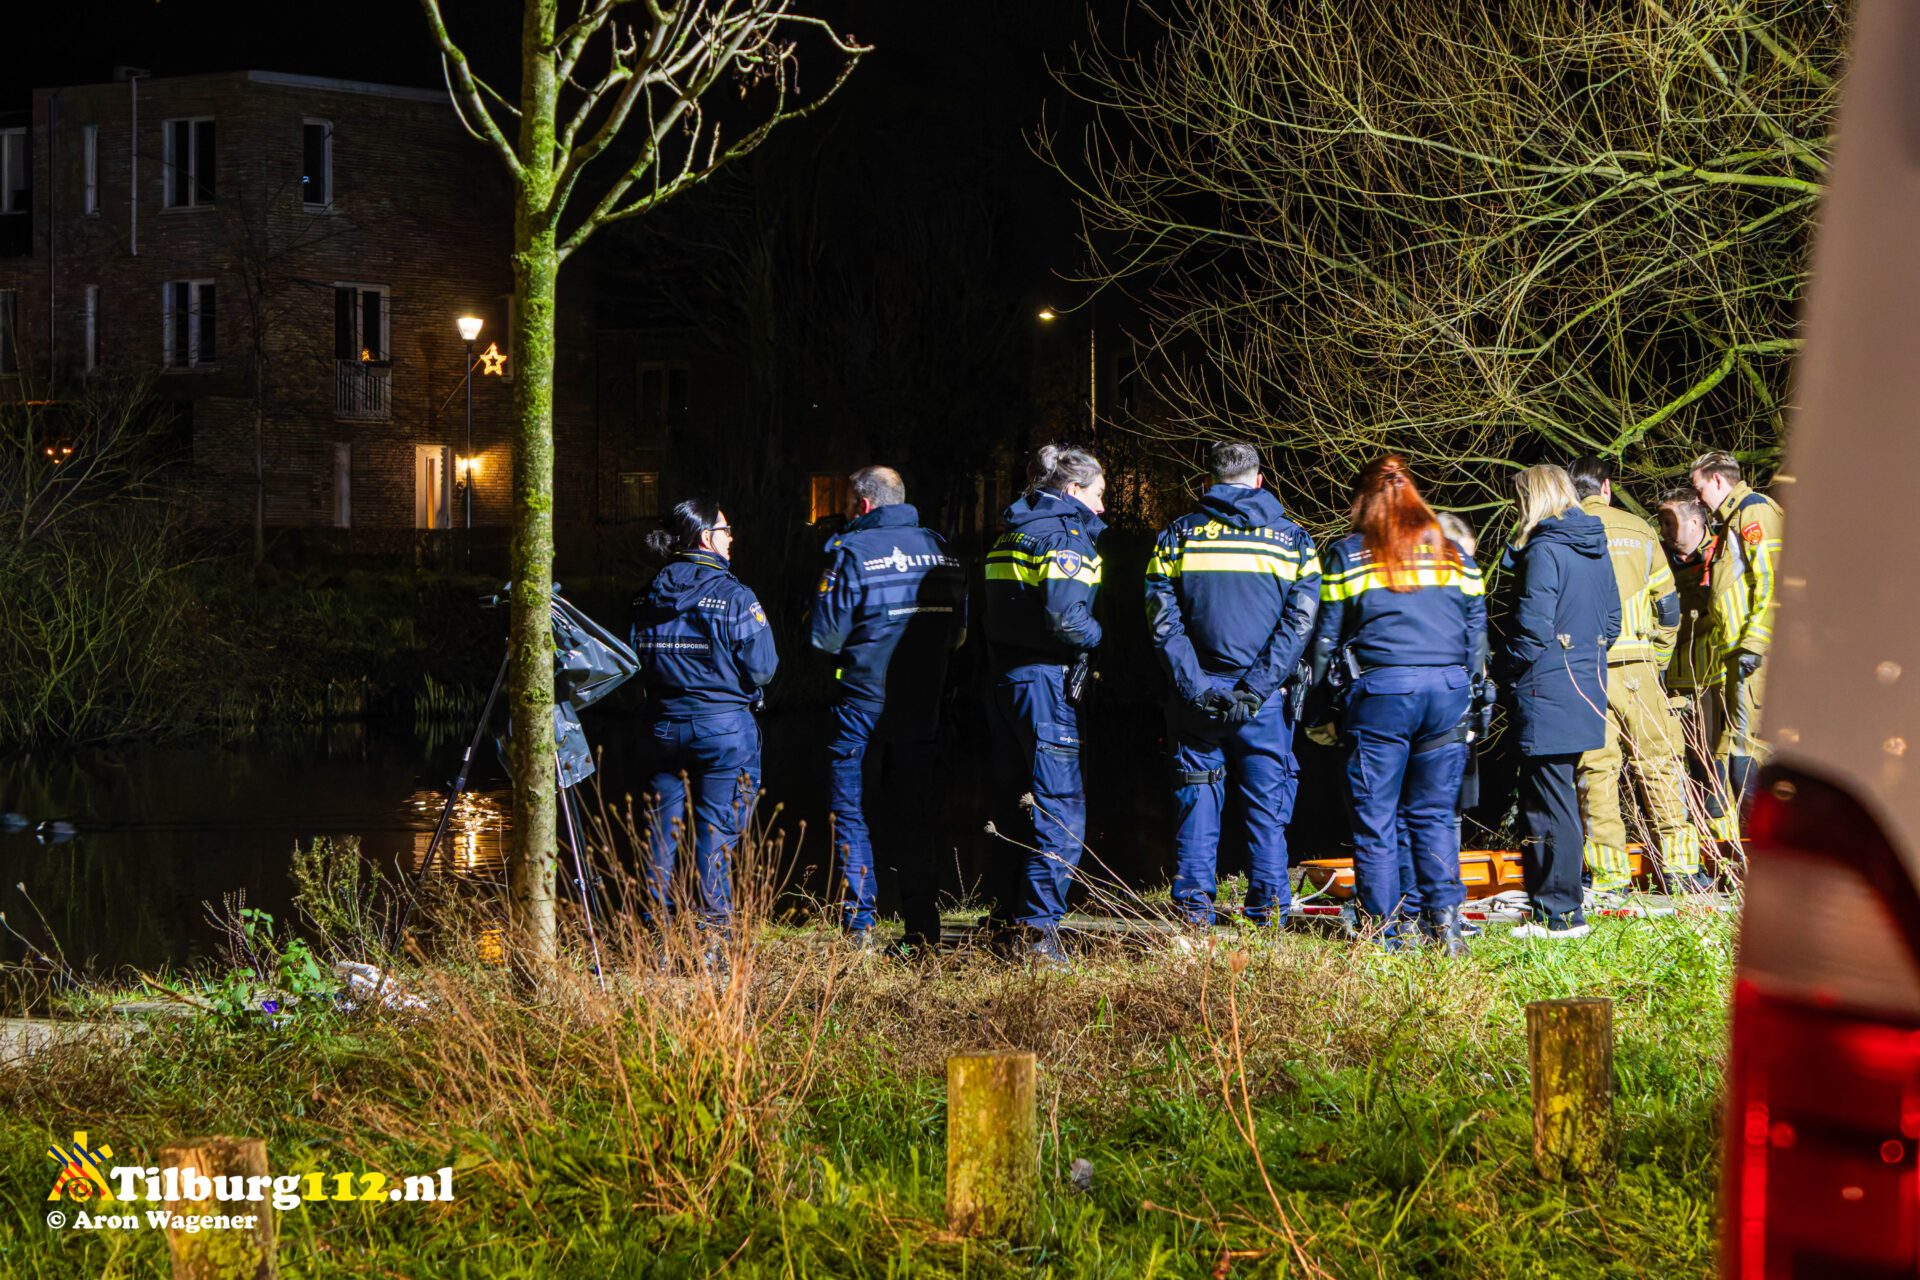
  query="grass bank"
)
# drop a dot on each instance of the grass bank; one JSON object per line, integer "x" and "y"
{"x": 788, "y": 1120}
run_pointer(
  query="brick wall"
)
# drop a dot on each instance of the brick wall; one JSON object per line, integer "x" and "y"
{"x": 418, "y": 208}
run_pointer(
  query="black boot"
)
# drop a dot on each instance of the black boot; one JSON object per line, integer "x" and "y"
{"x": 1442, "y": 924}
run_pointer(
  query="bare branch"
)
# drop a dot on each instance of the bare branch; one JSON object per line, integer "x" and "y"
{"x": 463, "y": 92}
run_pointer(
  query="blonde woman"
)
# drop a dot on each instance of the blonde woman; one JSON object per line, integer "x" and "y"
{"x": 1552, "y": 662}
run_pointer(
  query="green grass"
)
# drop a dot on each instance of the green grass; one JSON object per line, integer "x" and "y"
{"x": 793, "y": 1124}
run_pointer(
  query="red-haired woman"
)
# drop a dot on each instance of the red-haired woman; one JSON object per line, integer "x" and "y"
{"x": 1403, "y": 624}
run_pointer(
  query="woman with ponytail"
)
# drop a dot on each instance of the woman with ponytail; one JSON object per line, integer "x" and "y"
{"x": 1402, "y": 629}
{"x": 1042, "y": 576}
{"x": 706, "y": 652}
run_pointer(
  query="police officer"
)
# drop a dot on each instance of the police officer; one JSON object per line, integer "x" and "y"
{"x": 892, "y": 607}
{"x": 1748, "y": 528}
{"x": 1232, "y": 591}
{"x": 1641, "y": 728}
{"x": 1402, "y": 627}
{"x": 706, "y": 652}
{"x": 1041, "y": 578}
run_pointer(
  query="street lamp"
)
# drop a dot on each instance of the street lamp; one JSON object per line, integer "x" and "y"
{"x": 469, "y": 330}
{"x": 1048, "y": 315}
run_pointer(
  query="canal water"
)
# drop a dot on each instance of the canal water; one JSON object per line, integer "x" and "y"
{"x": 164, "y": 832}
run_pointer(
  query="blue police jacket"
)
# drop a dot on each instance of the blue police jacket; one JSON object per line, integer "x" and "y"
{"x": 1232, "y": 590}
{"x": 1042, "y": 576}
{"x": 893, "y": 605}
{"x": 702, "y": 638}
{"x": 1441, "y": 623}
{"x": 1554, "y": 654}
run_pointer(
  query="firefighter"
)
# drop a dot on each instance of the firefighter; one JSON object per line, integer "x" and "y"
{"x": 1041, "y": 579}
{"x": 1402, "y": 629}
{"x": 706, "y": 654}
{"x": 1748, "y": 528}
{"x": 1231, "y": 594}
{"x": 1566, "y": 617}
{"x": 892, "y": 607}
{"x": 1641, "y": 728}
{"x": 1692, "y": 675}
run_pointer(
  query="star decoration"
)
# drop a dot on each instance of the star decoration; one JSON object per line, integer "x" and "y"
{"x": 493, "y": 361}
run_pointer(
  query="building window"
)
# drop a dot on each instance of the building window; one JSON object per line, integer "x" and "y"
{"x": 9, "y": 331}
{"x": 16, "y": 195}
{"x": 191, "y": 327}
{"x": 316, "y": 164}
{"x": 189, "y": 163}
{"x": 827, "y": 495}
{"x": 90, "y": 345}
{"x": 639, "y": 496}
{"x": 90, "y": 169}
{"x": 665, "y": 395}
{"x": 360, "y": 324}
{"x": 343, "y": 486}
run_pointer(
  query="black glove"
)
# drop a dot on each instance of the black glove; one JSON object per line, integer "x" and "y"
{"x": 1749, "y": 663}
{"x": 1246, "y": 705}
{"x": 1215, "y": 705}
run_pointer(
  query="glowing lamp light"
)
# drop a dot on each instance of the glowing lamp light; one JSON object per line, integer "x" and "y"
{"x": 470, "y": 327}
{"x": 466, "y": 470}
{"x": 493, "y": 361}
{"x": 58, "y": 453}
{"x": 1048, "y": 313}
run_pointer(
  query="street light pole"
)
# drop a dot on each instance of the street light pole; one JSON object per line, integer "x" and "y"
{"x": 469, "y": 330}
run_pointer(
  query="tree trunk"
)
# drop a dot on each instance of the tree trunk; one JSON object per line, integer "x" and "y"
{"x": 531, "y": 853}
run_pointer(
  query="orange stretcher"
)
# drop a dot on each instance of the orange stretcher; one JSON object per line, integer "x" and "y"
{"x": 1485, "y": 872}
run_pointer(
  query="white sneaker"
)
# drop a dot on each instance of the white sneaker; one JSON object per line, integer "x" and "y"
{"x": 1555, "y": 932}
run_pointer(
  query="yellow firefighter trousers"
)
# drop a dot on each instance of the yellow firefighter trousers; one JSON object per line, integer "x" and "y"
{"x": 1643, "y": 730}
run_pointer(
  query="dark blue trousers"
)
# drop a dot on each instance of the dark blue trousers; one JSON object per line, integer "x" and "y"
{"x": 1037, "y": 750}
{"x": 1389, "y": 712}
{"x": 719, "y": 756}
{"x": 905, "y": 806}
{"x": 1257, "y": 759}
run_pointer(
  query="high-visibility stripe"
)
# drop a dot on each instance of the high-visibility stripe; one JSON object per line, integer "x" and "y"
{"x": 1352, "y": 585}
{"x": 1195, "y": 560}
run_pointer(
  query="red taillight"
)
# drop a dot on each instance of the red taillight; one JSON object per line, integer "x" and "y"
{"x": 1822, "y": 1174}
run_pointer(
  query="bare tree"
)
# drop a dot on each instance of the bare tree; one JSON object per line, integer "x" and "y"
{"x": 637, "y": 91}
{"x": 1478, "y": 232}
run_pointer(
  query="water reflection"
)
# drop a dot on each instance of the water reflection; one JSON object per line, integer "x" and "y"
{"x": 475, "y": 843}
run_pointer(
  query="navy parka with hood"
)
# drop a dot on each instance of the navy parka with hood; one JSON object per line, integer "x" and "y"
{"x": 1231, "y": 595}
{"x": 1553, "y": 657}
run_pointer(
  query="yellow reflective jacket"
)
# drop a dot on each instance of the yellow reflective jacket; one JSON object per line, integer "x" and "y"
{"x": 1649, "y": 605}
{"x": 1749, "y": 526}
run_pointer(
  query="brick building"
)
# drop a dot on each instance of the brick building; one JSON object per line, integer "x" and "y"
{"x": 286, "y": 257}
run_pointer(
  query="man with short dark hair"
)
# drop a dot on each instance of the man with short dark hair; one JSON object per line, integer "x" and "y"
{"x": 1232, "y": 592}
{"x": 1748, "y": 528}
{"x": 1641, "y": 729}
{"x": 892, "y": 607}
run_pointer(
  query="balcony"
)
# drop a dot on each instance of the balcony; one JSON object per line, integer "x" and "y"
{"x": 362, "y": 392}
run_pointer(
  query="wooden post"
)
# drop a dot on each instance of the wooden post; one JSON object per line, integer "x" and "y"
{"x": 241, "y": 1253}
{"x": 993, "y": 1145}
{"x": 1570, "y": 1057}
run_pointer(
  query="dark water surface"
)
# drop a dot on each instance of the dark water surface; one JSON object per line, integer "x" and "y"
{"x": 164, "y": 831}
